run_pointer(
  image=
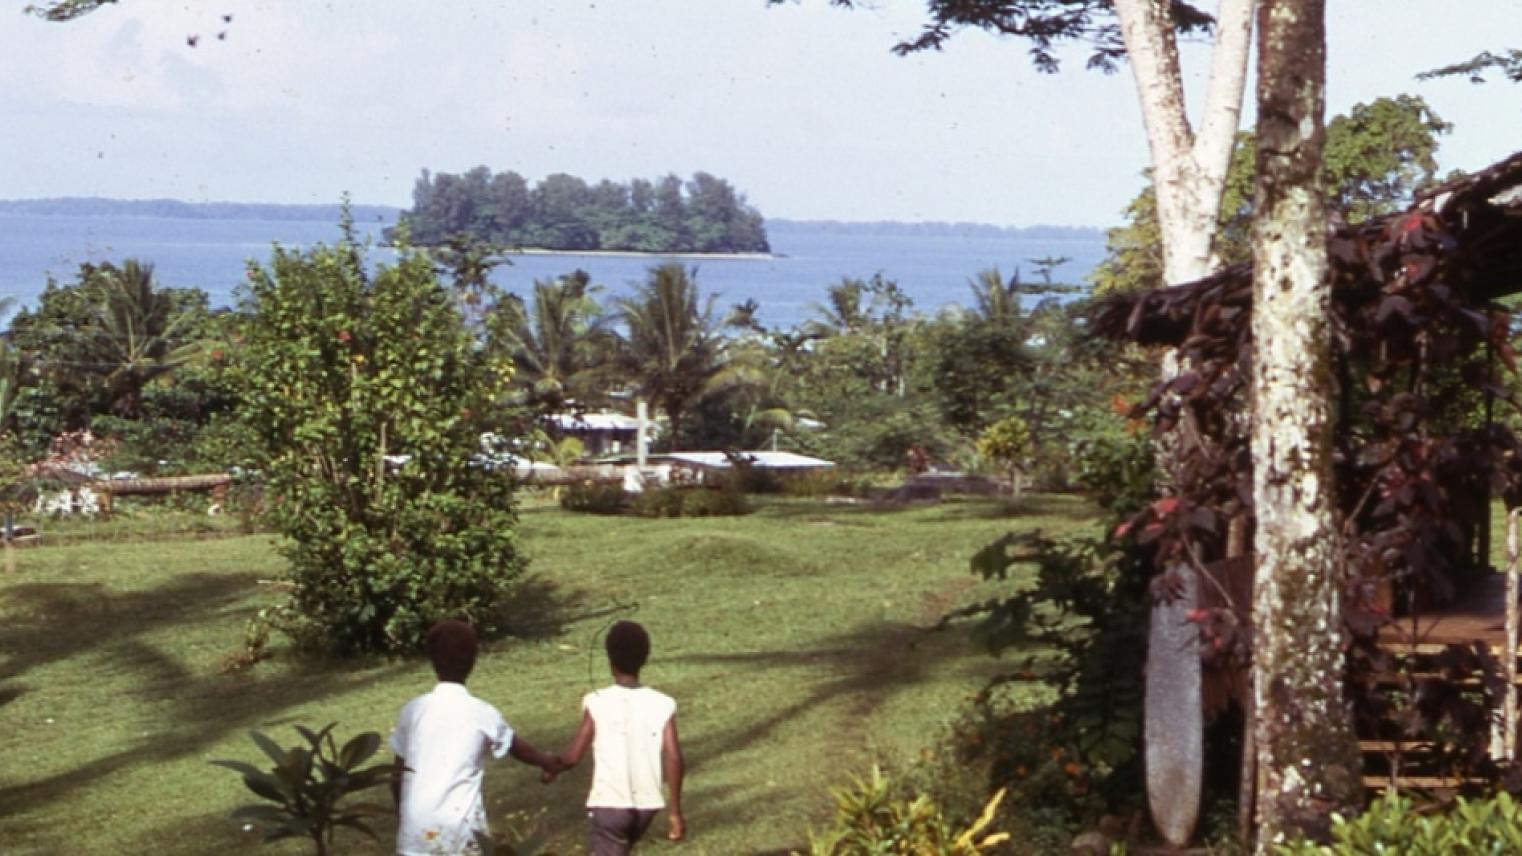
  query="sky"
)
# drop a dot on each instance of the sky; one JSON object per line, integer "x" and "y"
{"x": 801, "y": 106}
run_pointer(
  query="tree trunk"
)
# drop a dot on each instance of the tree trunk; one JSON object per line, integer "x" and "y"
{"x": 1308, "y": 762}
{"x": 1188, "y": 170}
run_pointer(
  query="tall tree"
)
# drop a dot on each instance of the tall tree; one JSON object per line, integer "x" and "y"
{"x": 1378, "y": 156}
{"x": 13, "y": 372}
{"x": 138, "y": 335}
{"x": 558, "y": 344}
{"x": 672, "y": 345}
{"x": 844, "y": 311}
{"x": 1308, "y": 763}
{"x": 1188, "y": 168}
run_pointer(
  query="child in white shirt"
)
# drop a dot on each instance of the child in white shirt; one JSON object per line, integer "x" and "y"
{"x": 631, "y": 729}
{"x": 443, "y": 739}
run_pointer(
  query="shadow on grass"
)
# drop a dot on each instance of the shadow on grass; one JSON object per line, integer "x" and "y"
{"x": 857, "y": 671}
{"x": 55, "y": 622}
{"x": 539, "y": 608}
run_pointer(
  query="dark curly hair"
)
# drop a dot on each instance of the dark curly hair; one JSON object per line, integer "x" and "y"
{"x": 628, "y": 647}
{"x": 452, "y": 648}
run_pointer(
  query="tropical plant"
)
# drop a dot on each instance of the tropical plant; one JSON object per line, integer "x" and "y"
{"x": 1007, "y": 443}
{"x": 1394, "y": 824}
{"x": 994, "y": 299}
{"x": 372, "y": 394}
{"x": 139, "y": 334}
{"x": 560, "y": 346}
{"x": 671, "y": 343}
{"x": 871, "y": 820}
{"x": 302, "y": 792}
{"x": 843, "y": 311}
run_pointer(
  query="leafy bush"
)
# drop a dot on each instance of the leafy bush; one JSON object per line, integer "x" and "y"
{"x": 870, "y": 819}
{"x": 303, "y": 790}
{"x": 828, "y": 482}
{"x": 1392, "y": 825}
{"x": 1114, "y": 461}
{"x": 659, "y": 501}
{"x": 724, "y": 501}
{"x": 1060, "y": 730}
{"x": 371, "y": 394}
{"x": 594, "y": 498}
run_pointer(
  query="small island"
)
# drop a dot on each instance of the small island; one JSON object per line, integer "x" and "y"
{"x": 563, "y": 213}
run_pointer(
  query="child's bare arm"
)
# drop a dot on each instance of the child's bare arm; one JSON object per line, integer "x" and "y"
{"x": 577, "y": 748}
{"x": 674, "y": 766}
{"x": 525, "y": 752}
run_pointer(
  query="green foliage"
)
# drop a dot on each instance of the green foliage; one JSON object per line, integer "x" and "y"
{"x": 1080, "y": 625}
{"x": 561, "y": 348}
{"x": 1113, "y": 461}
{"x": 1380, "y": 154}
{"x": 672, "y": 347}
{"x": 874, "y": 431}
{"x": 1508, "y": 62}
{"x": 1377, "y": 156}
{"x": 977, "y": 370}
{"x": 723, "y": 501}
{"x": 818, "y": 484}
{"x": 1006, "y": 442}
{"x": 303, "y": 789}
{"x": 1393, "y": 824}
{"x": 594, "y": 498}
{"x": 1044, "y": 25}
{"x": 563, "y": 212}
{"x": 99, "y": 345}
{"x": 64, "y": 10}
{"x": 872, "y": 820}
{"x": 371, "y": 395}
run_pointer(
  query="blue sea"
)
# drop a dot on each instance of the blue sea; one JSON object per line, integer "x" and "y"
{"x": 933, "y": 267}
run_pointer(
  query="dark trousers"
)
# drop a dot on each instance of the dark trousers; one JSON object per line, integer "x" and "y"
{"x": 614, "y": 831}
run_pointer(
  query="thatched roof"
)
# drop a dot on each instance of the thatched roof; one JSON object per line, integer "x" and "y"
{"x": 1471, "y": 227}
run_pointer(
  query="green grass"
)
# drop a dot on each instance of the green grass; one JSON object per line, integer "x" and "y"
{"x": 793, "y": 640}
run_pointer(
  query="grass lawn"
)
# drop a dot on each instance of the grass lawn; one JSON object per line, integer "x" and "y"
{"x": 791, "y": 638}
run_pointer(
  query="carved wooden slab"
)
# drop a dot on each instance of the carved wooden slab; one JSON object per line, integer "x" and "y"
{"x": 1173, "y": 721}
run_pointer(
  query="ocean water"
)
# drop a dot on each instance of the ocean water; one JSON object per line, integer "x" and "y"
{"x": 933, "y": 269}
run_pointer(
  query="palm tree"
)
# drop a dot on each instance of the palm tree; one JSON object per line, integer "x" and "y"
{"x": 996, "y": 301}
{"x": 559, "y": 347}
{"x": 138, "y": 334}
{"x": 672, "y": 347}
{"x": 844, "y": 312}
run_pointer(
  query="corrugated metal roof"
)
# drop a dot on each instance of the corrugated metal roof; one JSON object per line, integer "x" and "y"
{"x": 769, "y": 460}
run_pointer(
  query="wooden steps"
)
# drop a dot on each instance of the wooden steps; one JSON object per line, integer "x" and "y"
{"x": 1420, "y": 783}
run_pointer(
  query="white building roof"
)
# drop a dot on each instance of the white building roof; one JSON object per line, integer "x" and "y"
{"x": 605, "y": 420}
{"x": 768, "y": 460}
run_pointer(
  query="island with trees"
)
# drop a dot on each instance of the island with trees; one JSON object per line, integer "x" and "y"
{"x": 704, "y": 214}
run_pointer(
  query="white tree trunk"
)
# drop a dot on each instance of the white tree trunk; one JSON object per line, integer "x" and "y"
{"x": 1188, "y": 171}
{"x": 1308, "y": 762}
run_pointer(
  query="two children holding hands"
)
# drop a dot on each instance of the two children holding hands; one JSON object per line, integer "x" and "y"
{"x": 443, "y": 739}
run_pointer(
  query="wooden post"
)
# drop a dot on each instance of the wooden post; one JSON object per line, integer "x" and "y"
{"x": 1509, "y": 665}
{"x": 642, "y": 435}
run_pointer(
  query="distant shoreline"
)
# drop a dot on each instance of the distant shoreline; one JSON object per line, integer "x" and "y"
{"x": 639, "y": 254}
{"x": 86, "y": 206}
